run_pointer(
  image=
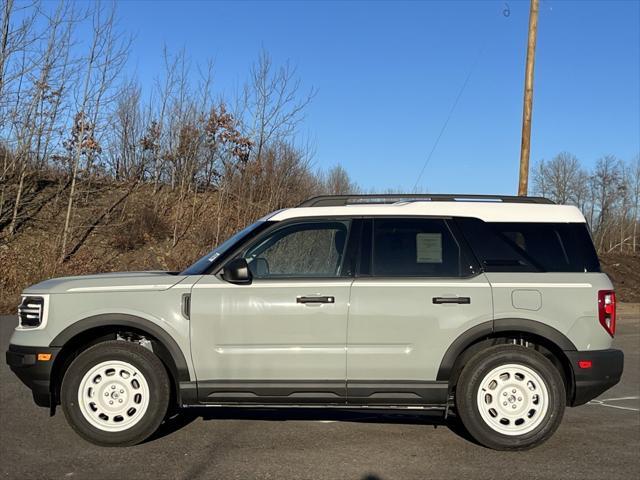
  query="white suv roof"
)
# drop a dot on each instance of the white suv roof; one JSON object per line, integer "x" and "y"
{"x": 489, "y": 209}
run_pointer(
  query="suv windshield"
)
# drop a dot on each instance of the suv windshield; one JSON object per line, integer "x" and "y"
{"x": 204, "y": 263}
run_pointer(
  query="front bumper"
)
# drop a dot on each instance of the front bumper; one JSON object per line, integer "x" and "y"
{"x": 34, "y": 373}
{"x": 604, "y": 372}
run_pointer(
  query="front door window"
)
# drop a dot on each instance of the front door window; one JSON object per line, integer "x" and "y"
{"x": 302, "y": 250}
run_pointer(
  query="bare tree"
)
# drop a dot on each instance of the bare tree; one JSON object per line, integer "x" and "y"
{"x": 274, "y": 102}
{"x": 104, "y": 60}
{"x": 126, "y": 159}
{"x": 37, "y": 106}
{"x": 635, "y": 199}
{"x": 339, "y": 183}
{"x": 606, "y": 184}
{"x": 71, "y": 115}
{"x": 558, "y": 179}
{"x": 540, "y": 179}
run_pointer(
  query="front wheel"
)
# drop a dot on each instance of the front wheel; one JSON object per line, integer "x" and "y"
{"x": 510, "y": 397}
{"x": 115, "y": 393}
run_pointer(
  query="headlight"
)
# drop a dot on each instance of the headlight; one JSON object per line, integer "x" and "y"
{"x": 32, "y": 311}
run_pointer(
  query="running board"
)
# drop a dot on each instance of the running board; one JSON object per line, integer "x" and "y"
{"x": 403, "y": 408}
{"x": 392, "y": 394}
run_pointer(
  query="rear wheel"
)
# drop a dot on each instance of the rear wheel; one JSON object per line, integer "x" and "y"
{"x": 115, "y": 393}
{"x": 510, "y": 397}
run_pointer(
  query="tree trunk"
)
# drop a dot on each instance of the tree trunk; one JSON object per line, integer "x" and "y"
{"x": 16, "y": 207}
{"x": 67, "y": 218}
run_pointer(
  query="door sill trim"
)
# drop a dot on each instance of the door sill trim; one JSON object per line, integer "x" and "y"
{"x": 339, "y": 393}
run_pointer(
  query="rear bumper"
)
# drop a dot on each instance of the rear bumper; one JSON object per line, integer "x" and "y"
{"x": 34, "y": 373}
{"x": 605, "y": 371}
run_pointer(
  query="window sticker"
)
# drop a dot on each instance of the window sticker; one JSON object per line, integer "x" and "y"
{"x": 429, "y": 248}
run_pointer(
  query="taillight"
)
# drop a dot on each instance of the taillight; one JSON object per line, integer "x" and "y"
{"x": 607, "y": 310}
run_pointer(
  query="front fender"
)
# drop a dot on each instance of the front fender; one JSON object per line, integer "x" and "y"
{"x": 126, "y": 320}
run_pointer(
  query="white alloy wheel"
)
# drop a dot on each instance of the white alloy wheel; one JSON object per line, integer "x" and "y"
{"x": 513, "y": 399}
{"x": 113, "y": 396}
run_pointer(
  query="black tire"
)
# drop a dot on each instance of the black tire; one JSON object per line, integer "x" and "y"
{"x": 481, "y": 365}
{"x": 146, "y": 362}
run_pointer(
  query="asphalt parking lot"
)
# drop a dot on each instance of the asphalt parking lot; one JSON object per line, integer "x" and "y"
{"x": 597, "y": 441}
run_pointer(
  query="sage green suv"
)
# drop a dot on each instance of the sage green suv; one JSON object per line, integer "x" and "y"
{"x": 490, "y": 308}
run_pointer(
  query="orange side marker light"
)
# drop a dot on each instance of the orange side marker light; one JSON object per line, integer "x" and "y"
{"x": 44, "y": 357}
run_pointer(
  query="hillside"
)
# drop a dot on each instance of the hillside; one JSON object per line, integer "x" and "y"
{"x": 624, "y": 271}
{"x": 120, "y": 227}
{"x": 116, "y": 227}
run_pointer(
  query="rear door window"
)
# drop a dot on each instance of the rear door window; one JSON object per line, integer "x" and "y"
{"x": 417, "y": 247}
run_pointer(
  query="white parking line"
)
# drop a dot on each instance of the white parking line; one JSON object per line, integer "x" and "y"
{"x": 619, "y": 398}
{"x": 604, "y": 404}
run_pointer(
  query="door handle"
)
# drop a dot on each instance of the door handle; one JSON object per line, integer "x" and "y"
{"x": 460, "y": 300}
{"x": 316, "y": 299}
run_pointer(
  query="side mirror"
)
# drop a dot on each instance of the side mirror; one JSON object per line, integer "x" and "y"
{"x": 237, "y": 271}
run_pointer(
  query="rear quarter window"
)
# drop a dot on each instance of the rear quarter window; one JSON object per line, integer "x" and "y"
{"x": 541, "y": 247}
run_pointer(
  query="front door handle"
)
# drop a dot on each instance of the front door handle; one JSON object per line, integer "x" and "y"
{"x": 316, "y": 299}
{"x": 461, "y": 300}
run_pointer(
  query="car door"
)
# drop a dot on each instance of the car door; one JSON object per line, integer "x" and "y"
{"x": 281, "y": 338}
{"x": 417, "y": 291}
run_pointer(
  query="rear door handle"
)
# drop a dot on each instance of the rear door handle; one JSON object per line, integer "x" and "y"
{"x": 316, "y": 299}
{"x": 461, "y": 300}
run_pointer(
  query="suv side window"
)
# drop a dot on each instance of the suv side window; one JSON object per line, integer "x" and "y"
{"x": 417, "y": 247}
{"x": 312, "y": 249}
{"x": 556, "y": 247}
{"x": 495, "y": 252}
{"x": 531, "y": 247}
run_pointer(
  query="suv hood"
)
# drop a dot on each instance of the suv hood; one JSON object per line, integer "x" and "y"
{"x": 108, "y": 282}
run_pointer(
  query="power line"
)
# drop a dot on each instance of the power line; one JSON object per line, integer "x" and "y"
{"x": 446, "y": 122}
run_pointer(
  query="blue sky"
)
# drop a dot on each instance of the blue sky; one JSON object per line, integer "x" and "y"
{"x": 387, "y": 74}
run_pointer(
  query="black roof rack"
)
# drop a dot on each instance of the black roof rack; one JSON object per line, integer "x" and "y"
{"x": 341, "y": 200}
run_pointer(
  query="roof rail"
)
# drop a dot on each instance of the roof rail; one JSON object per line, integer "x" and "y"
{"x": 342, "y": 200}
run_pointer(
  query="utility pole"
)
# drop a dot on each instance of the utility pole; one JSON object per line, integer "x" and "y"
{"x": 525, "y": 148}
